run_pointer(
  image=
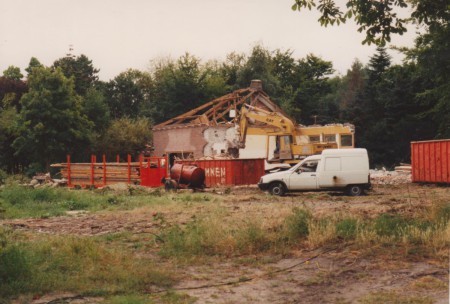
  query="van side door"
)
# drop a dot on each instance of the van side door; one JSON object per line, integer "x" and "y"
{"x": 331, "y": 176}
{"x": 304, "y": 177}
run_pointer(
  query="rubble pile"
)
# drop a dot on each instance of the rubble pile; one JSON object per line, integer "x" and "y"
{"x": 45, "y": 180}
{"x": 401, "y": 175}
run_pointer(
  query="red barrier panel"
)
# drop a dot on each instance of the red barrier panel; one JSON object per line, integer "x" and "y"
{"x": 230, "y": 172}
{"x": 430, "y": 161}
{"x": 152, "y": 170}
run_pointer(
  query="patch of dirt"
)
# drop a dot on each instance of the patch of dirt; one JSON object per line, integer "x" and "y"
{"x": 330, "y": 278}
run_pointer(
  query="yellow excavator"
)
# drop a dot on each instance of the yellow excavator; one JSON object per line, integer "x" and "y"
{"x": 292, "y": 143}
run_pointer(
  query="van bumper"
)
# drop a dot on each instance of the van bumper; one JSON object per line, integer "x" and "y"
{"x": 263, "y": 186}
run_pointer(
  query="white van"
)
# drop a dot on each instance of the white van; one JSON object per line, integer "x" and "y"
{"x": 334, "y": 169}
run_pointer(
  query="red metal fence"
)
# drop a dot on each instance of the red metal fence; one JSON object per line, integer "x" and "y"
{"x": 147, "y": 172}
{"x": 430, "y": 161}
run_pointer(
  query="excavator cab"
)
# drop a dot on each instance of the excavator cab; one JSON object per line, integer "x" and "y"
{"x": 285, "y": 146}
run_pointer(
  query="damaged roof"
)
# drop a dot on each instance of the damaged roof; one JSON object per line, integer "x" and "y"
{"x": 217, "y": 111}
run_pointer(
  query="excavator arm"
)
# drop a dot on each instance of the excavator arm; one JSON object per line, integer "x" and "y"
{"x": 283, "y": 125}
{"x": 287, "y": 148}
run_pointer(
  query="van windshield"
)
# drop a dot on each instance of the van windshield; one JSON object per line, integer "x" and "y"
{"x": 308, "y": 163}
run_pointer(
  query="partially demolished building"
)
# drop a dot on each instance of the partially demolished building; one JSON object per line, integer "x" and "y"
{"x": 212, "y": 129}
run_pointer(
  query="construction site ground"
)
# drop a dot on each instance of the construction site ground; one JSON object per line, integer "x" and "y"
{"x": 329, "y": 274}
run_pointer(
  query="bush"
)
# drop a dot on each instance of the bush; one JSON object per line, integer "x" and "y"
{"x": 3, "y": 177}
{"x": 347, "y": 228}
{"x": 442, "y": 213}
{"x": 15, "y": 270}
{"x": 389, "y": 225}
{"x": 296, "y": 225}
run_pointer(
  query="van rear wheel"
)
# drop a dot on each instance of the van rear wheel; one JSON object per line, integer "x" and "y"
{"x": 355, "y": 190}
{"x": 277, "y": 189}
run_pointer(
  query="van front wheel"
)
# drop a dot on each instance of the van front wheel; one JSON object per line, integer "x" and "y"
{"x": 355, "y": 190}
{"x": 277, "y": 189}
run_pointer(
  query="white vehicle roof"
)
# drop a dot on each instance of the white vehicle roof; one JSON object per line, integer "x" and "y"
{"x": 344, "y": 152}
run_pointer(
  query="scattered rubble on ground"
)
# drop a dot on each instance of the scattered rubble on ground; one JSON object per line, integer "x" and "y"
{"x": 401, "y": 175}
{"x": 45, "y": 180}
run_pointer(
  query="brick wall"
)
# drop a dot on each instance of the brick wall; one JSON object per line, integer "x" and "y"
{"x": 179, "y": 139}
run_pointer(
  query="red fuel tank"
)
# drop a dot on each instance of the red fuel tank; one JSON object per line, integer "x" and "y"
{"x": 192, "y": 176}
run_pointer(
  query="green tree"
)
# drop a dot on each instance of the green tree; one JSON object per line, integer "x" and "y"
{"x": 11, "y": 91}
{"x": 184, "y": 84}
{"x": 96, "y": 109}
{"x": 13, "y": 73}
{"x": 81, "y": 69}
{"x": 351, "y": 91}
{"x": 127, "y": 94}
{"x": 379, "y": 19}
{"x": 51, "y": 120}
{"x": 8, "y": 133}
{"x": 125, "y": 136}
{"x": 431, "y": 55}
{"x": 34, "y": 63}
{"x": 311, "y": 78}
{"x": 259, "y": 65}
{"x": 230, "y": 69}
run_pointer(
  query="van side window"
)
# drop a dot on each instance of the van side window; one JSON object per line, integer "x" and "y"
{"x": 310, "y": 166}
{"x": 333, "y": 164}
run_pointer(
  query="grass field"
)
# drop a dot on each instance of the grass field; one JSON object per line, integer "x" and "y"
{"x": 147, "y": 246}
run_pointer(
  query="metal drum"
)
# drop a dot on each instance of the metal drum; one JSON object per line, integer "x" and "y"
{"x": 192, "y": 176}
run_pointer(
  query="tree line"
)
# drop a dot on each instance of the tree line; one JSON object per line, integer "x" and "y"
{"x": 64, "y": 108}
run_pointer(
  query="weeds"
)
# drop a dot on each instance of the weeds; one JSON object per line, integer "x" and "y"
{"x": 209, "y": 236}
{"x": 17, "y": 201}
{"x": 393, "y": 298}
{"x": 47, "y": 265}
{"x": 347, "y": 228}
{"x": 296, "y": 226}
{"x": 206, "y": 237}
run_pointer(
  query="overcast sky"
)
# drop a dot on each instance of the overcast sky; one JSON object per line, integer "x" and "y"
{"x": 118, "y": 34}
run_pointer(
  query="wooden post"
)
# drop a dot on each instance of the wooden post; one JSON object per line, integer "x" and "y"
{"x": 129, "y": 168}
{"x": 69, "y": 183}
{"x": 93, "y": 161}
{"x": 117, "y": 158}
{"x": 104, "y": 170}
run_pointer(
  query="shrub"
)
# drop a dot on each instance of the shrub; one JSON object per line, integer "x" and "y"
{"x": 296, "y": 225}
{"x": 389, "y": 225}
{"x": 3, "y": 177}
{"x": 347, "y": 228}
{"x": 253, "y": 239}
{"x": 15, "y": 270}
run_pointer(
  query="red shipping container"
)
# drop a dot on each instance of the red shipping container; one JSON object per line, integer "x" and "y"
{"x": 230, "y": 172}
{"x": 430, "y": 161}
